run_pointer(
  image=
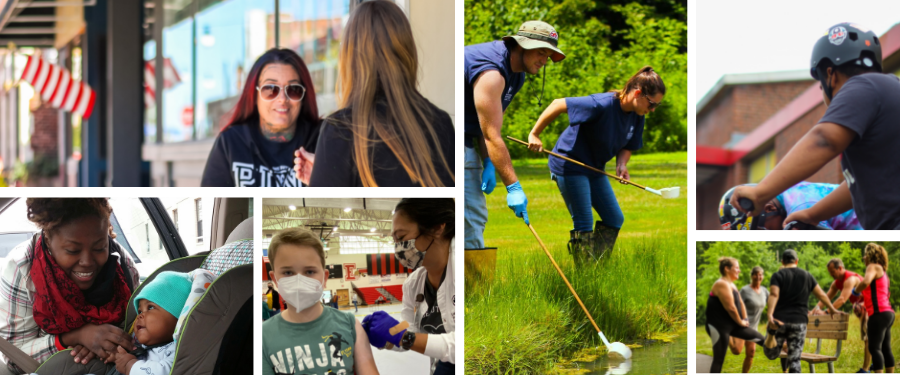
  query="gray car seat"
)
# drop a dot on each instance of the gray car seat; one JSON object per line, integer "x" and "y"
{"x": 200, "y": 343}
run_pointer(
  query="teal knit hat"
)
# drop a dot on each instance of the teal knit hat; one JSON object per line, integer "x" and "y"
{"x": 169, "y": 290}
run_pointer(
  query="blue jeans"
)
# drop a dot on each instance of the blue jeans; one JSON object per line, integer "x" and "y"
{"x": 581, "y": 193}
{"x": 476, "y": 214}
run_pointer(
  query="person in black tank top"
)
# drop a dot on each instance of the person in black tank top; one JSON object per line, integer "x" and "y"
{"x": 726, "y": 315}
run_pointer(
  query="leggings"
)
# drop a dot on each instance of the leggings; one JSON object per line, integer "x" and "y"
{"x": 793, "y": 334}
{"x": 879, "y": 328}
{"x": 720, "y": 337}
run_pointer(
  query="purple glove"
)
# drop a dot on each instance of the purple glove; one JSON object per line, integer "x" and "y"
{"x": 367, "y": 326}
{"x": 381, "y": 324}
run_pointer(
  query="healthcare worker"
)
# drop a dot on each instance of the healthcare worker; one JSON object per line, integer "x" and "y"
{"x": 423, "y": 231}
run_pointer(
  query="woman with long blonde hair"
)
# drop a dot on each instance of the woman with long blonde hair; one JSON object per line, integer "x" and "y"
{"x": 387, "y": 133}
{"x": 876, "y": 295}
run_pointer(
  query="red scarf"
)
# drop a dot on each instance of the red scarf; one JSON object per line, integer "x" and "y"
{"x": 60, "y": 306}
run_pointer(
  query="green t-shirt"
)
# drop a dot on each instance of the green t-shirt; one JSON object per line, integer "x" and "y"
{"x": 322, "y": 346}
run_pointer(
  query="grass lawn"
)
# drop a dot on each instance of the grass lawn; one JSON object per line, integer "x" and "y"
{"x": 526, "y": 320}
{"x": 850, "y": 361}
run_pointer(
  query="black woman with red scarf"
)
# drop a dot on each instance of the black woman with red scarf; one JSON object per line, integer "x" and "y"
{"x": 69, "y": 285}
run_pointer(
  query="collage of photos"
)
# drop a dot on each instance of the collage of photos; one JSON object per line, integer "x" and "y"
{"x": 586, "y": 216}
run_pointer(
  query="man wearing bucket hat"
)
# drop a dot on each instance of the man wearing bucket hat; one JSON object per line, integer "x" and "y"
{"x": 494, "y": 73}
{"x": 860, "y": 124}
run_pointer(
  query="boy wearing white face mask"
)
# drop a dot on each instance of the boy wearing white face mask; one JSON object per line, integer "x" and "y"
{"x": 308, "y": 338}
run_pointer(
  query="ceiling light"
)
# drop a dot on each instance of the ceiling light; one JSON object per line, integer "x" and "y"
{"x": 372, "y": 230}
{"x": 292, "y": 207}
{"x": 348, "y": 209}
{"x": 334, "y": 229}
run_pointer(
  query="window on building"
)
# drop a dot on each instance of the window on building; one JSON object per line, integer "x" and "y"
{"x": 761, "y": 166}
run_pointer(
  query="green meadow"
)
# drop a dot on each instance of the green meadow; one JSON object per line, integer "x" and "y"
{"x": 851, "y": 359}
{"x": 526, "y": 321}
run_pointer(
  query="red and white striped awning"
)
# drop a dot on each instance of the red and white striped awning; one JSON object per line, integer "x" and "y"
{"x": 170, "y": 78}
{"x": 57, "y": 87}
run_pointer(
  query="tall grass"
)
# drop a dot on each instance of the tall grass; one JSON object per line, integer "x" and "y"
{"x": 526, "y": 319}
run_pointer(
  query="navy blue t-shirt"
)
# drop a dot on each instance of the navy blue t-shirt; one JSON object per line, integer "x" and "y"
{"x": 598, "y": 129}
{"x": 481, "y": 58}
{"x": 869, "y": 105}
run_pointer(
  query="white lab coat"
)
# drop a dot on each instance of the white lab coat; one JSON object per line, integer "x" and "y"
{"x": 441, "y": 347}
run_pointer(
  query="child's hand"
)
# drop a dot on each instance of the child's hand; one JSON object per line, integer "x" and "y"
{"x": 82, "y": 355}
{"x": 124, "y": 361}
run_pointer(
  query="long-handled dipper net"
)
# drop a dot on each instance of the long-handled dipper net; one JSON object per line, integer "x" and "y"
{"x": 669, "y": 193}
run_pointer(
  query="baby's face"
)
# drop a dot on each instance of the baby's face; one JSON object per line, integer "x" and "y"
{"x": 153, "y": 324}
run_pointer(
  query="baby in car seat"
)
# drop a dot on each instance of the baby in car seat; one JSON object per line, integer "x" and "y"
{"x": 158, "y": 305}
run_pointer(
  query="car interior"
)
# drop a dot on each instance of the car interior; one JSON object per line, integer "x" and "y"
{"x": 216, "y": 336}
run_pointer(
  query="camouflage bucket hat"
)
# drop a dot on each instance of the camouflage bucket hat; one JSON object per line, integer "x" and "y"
{"x": 538, "y": 34}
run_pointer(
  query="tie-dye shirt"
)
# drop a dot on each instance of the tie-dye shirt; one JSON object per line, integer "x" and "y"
{"x": 805, "y": 194}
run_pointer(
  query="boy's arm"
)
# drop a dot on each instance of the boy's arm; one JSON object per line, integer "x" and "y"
{"x": 363, "y": 360}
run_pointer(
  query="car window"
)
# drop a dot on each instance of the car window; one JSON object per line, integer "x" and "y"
{"x": 15, "y": 227}
{"x": 193, "y": 219}
{"x": 137, "y": 233}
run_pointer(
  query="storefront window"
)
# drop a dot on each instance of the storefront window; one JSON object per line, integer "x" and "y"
{"x": 313, "y": 30}
{"x": 231, "y": 35}
{"x": 178, "y": 108}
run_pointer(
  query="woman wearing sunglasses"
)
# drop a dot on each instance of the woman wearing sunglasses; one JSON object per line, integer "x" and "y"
{"x": 601, "y": 126}
{"x": 387, "y": 133}
{"x": 275, "y": 116}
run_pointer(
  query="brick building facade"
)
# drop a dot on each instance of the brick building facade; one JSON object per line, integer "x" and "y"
{"x": 748, "y": 122}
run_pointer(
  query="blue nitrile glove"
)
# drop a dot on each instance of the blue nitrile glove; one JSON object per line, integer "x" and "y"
{"x": 516, "y": 200}
{"x": 488, "y": 177}
{"x": 381, "y": 325}
{"x": 367, "y": 326}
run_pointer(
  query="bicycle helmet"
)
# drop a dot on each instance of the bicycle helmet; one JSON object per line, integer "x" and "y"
{"x": 846, "y": 43}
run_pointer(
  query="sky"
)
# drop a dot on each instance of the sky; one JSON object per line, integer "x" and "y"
{"x": 736, "y": 37}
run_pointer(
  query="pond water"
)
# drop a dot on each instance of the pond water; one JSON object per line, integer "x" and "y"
{"x": 654, "y": 358}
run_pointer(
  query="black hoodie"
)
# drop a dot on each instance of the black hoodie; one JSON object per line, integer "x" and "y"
{"x": 241, "y": 156}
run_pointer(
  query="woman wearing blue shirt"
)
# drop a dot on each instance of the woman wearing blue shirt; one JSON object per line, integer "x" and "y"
{"x": 600, "y": 126}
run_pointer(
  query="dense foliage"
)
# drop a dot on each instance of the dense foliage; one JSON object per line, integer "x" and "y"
{"x": 814, "y": 257}
{"x": 605, "y": 44}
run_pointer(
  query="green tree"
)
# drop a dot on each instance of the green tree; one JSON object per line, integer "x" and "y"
{"x": 599, "y": 58}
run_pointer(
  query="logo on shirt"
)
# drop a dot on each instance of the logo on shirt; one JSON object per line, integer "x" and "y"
{"x": 849, "y": 177}
{"x": 837, "y": 35}
{"x": 509, "y": 95}
{"x": 300, "y": 358}
{"x": 246, "y": 174}
{"x": 630, "y": 133}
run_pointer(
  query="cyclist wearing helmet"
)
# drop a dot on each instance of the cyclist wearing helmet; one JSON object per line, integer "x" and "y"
{"x": 860, "y": 124}
{"x": 799, "y": 197}
{"x": 494, "y": 73}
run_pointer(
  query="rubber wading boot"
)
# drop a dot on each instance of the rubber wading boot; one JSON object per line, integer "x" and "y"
{"x": 604, "y": 240}
{"x": 580, "y": 244}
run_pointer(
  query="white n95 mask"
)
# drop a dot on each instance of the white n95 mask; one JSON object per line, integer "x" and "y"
{"x": 407, "y": 254}
{"x": 300, "y": 291}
